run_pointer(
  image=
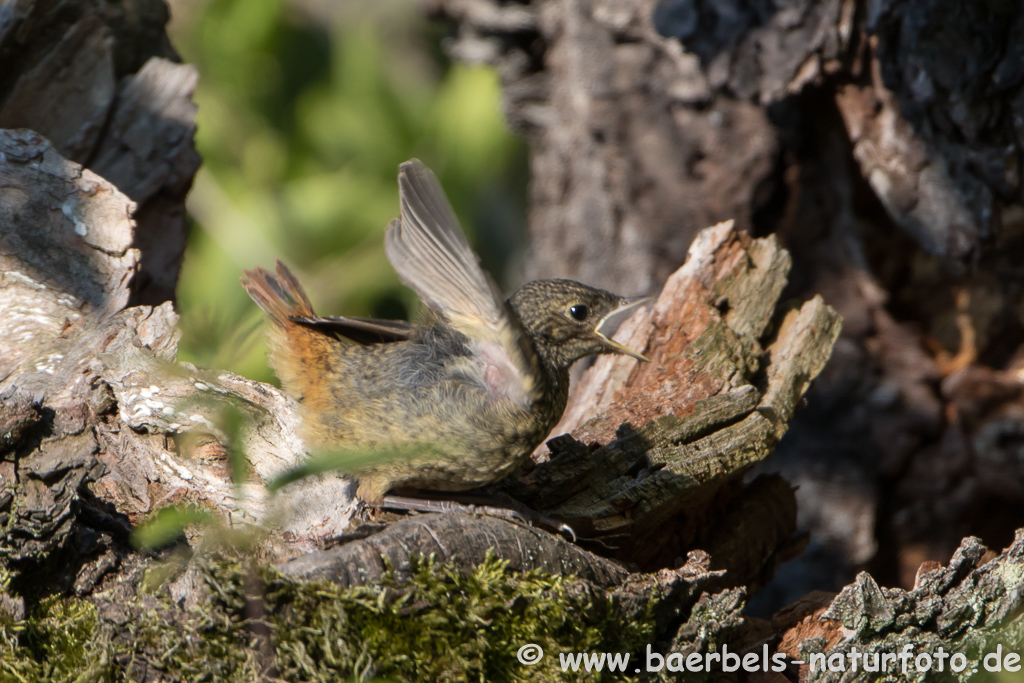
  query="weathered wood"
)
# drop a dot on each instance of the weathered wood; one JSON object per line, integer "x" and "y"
{"x": 929, "y": 129}
{"x": 148, "y": 152}
{"x": 640, "y": 142}
{"x": 98, "y": 80}
{"x": 616, "y": 114}
{"x": 969, "y": 607}
{"x": 65, "y": 264}
{"x": 884, "y": 150}
{"x": 66, "y": 257}
{"x": 669, "y": 437}
{"x": 464, "y": 539}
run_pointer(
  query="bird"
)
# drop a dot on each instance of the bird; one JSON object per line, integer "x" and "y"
{"x": 463, "y": 395}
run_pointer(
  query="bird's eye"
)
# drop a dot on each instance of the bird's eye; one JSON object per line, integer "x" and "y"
{"x": 579, "y": 312}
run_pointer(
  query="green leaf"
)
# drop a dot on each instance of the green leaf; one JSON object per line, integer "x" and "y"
{"x": 168, "y": 524}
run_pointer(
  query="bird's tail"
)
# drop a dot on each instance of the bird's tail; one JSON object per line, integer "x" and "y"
{"x": 299, "y": 355}
{"x": 280, "y": 296}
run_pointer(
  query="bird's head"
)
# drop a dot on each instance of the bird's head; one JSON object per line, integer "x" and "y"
{"x": 567, "y": 320}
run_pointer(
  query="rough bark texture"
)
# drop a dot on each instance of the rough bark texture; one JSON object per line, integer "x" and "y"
{"x": 526, "y": 549}
{"x": 882, "y": 142}
{"x": 879, "y": 141}
{"x": 621, "y": 121}
{"x": 970, "y": 606}
{"x": 99, "y": 81}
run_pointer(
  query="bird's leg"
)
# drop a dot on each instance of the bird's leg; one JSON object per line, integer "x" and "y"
{"x": 532, "y": 516}
{"x": 432, "y": 505}
{"x": 512, "y": 510}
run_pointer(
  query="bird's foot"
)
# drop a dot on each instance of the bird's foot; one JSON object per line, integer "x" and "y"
{"x": 511, "y": 510}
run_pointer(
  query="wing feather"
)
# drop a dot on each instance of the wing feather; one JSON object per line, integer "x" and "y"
{"x": 432, "y": 256}
{"x": 364, "y": 331}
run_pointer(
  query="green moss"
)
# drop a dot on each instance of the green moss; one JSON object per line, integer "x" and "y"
{"x": 60, "y": 641}
{"x": 442, "y": 625}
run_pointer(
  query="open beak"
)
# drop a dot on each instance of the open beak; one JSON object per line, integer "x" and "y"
{"x": 610, "y": 323}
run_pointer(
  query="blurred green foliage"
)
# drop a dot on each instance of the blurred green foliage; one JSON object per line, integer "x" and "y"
{"x": 306, "y": 108}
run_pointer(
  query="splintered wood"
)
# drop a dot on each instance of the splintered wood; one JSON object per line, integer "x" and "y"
{"x": 650, "y": 446}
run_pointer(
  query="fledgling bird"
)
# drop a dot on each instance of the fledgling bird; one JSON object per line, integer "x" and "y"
{"x": 469, "y": 392}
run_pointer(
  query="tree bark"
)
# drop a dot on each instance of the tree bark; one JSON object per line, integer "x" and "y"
{"x": 98, "y": 80}
{"x": 854, "y": 159}
{"x": 881, "y": 142}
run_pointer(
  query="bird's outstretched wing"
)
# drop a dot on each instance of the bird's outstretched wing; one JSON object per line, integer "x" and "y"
{"x": 430, "y": 252}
